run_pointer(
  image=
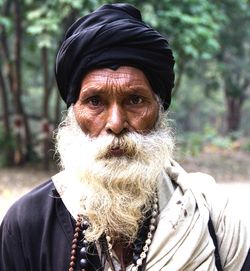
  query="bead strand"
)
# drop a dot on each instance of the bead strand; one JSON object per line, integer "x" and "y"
{"x": 83, "y": 263}
{"x": 80, "y": 230}
{"x": 142, "y": 256}
{"x": 110, "y": 246}
{"x": 148, "y": 241}
{"x": 73, "y": 253}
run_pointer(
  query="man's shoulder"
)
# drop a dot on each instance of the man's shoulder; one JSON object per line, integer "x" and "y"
{"x": 38, "y": 193}
{"x": 199, "y": 180}
{"x": 31, "y": 205}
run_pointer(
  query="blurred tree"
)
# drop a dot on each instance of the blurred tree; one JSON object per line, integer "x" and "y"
{"x": 11, "y": 54}
{"x": 192, "y": 27}
{"x": 9, "y": 151}
{"x": 31, "y": 32}
{"x": 43, "y": 22}
{"x": 234, "y": 58}
{"x": 5, "y": 23}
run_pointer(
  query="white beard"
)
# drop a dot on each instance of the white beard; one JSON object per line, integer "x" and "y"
{"x": 115, "y": 192}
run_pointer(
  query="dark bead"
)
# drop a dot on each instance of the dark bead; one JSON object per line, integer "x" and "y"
{"x": 140, "y": 239}
{"x": 72, "y": 264}
{"x": 137, "y": 249}
{"x": 85, "y": 225}
{"x": 71, "y": 269}
{"x": 74, "y": 246}
{"x": 83, "y": 251}
{"x": 85, "y": 243}
{"x": 83, "y": 263}
{"x": 73, "y": 258}
{"x": 135, "y": 258}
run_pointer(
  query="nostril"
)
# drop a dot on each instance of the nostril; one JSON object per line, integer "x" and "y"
{"x": 117, "y": 132}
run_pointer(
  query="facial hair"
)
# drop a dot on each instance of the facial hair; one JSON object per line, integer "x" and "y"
{"x": 116, "y": 192}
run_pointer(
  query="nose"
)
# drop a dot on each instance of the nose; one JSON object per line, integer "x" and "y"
{"x": 116, "y": 121}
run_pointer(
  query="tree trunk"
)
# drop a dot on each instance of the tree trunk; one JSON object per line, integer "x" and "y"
{"x": 23, "y": 137}
{"x": 7, "y": 149}
{"x": 234, "y": 107}
{"x": 45, "y": 123}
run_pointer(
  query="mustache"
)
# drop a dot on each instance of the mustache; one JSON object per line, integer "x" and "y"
{"x": 127, "y": 144}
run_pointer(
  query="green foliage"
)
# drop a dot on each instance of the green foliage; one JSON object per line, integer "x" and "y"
{"x": 190, "y": 143}
{"x": 246, "y": 146}
{"x": 45, "y": 20}
{"x": 194, "y": 111}
{"x": 193, "y": 143}
{"x": 6, "y": 22}
{"x": 222, "y": 142}
{"x": 43, "y": 28}
{"x": 234, "y": 39}
{"x": 193, "y": 27}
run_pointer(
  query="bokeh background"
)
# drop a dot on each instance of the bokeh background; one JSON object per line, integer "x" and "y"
{"x": 210, "y": 108}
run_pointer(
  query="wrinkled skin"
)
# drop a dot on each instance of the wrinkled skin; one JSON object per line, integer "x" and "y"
{"x": 115, "y": 102}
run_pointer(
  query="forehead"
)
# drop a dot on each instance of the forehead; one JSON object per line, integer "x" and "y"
{"x": 124, "y": 76}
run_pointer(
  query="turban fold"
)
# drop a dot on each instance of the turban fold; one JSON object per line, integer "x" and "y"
{"x": 113, "y": 35}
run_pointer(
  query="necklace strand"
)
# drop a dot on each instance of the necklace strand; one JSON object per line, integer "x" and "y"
{"x": 147, "y": 243}
{"x": 80, "y": 229}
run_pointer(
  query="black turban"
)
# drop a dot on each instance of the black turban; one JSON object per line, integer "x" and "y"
{"x": 113, "y": 35}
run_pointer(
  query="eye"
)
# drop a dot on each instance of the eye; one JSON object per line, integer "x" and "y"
{"x": 94, "y": 100}
{"x": 135, "y": 99}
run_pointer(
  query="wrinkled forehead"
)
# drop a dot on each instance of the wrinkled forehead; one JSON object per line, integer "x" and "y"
{"x": 124, "y": 78}
{"x": 124, "y": 73}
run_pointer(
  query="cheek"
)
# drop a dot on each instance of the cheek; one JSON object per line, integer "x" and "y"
{"x": 146, "y": 120}
{"x": 89, "y": 123}
{"x": 81, "y": 117}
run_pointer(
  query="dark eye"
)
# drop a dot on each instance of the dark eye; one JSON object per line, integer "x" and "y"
{"x": 135, "y": 99}
{"x": 94, "y": 101}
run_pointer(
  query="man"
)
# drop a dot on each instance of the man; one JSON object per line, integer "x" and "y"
{"x": 120, "y": 202}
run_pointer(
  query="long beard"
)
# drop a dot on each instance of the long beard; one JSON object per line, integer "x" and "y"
{"x": 115, "y": 192}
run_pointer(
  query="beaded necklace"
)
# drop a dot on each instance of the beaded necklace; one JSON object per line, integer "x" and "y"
{"x": 140, "y": 248}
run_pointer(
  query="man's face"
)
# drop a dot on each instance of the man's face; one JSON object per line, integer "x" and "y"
{"x": 111, "y": 118}
{"x": 115, "y": 102}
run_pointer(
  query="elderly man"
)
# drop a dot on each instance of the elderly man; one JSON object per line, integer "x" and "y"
{"x": 120, "y": 202}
